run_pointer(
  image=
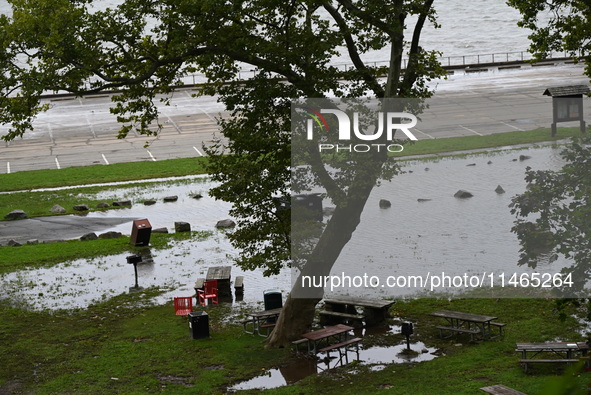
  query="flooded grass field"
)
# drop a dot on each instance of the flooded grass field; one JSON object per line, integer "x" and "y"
{"x": 439, "y": 231}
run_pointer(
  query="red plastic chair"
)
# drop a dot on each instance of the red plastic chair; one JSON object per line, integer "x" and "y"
{"x": 183, "y": 305}
{"x": 209, "y": 291}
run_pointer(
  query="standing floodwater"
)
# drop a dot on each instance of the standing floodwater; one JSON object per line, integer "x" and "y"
{"x": 425, "y": 228}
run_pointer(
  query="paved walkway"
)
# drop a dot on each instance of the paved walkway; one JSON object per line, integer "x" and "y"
{"x": 62, "y": 227}
{"x": 82, "y": 132}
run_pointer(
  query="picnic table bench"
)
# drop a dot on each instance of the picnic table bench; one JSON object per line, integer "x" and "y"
{"x": 345, "y": 310}
{"x": 501, "y": 390}
{"x": 553, "y": 352}
{"x": 472, "y": 324}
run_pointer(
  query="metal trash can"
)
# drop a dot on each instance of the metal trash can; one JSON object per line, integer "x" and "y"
{"x": 198, "y": 324}
{"x": 273, "y": 299}
{"x": 140, "y": 232}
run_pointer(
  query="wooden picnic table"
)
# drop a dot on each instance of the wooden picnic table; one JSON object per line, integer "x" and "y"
{"x": 264, "y": 319}
{"x": 327, "y": 337}
{"x": 554, "y": 352}
{"x": 221, "y": 274}
{"x": 473, "y": 324}
{"x": 345, "y": 309}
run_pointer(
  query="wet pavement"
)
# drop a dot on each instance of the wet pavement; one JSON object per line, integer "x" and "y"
{"x": 82, "y": 132}
{"x": 63, "y": 227}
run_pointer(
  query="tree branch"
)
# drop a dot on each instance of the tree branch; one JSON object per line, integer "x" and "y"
{"x": 410, "y": 75}
{"x": 353, "y": 52}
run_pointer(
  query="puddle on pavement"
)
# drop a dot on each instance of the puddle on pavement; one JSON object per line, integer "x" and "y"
{"x": 376, "y": 358}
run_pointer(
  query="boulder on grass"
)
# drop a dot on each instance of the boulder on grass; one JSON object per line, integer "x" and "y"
{"x": 57, "y": 209}
{"x": 16, "y": 214}
{"x": 89, "y": 236}
{"x": 110, "y": 235}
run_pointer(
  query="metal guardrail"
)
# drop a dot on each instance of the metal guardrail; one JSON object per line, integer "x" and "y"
{"x": 457, "y": 61}
{"x": 446, "y": 61}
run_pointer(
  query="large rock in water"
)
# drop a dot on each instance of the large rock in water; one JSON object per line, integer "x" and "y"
{"x": 16, "y": 214}
{"x": 499, "y": 189}
{"x": 385, "y": 203}
{"x": 122, "y": 203}
{"x": 461, "y": 194}
{"x": 225, "y": 223}
{"x": 182, "y": 227}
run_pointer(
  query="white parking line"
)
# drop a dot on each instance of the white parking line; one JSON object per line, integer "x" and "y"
{"x": 50, "y": 133}
{"x": 470, "y": 130}
{"x": 90, "y": 126}
{"x": 178, "y": 130}
{"x": 57, "y": 163}
{"x": 511, "y": 126}
{"x": 199, "y": 152}
{"x": 421, "y": 132}
{"x": 151, "y": 156}
{"x": 105, "y": 159}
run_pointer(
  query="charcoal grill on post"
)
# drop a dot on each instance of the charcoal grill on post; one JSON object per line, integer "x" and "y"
{"x": 134, "y": 259}
{"x": 407, "y": 330}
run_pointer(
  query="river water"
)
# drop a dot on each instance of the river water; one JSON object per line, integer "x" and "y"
{"x": 475, "y": 27}
{"x": 428, "y": 231}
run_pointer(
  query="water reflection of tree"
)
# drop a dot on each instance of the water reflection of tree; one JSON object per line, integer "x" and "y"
{"x": 554, "y": 216}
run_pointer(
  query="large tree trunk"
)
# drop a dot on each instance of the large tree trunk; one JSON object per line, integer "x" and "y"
{"x": 298, "y": 311}
{"x": 296, "y": 318}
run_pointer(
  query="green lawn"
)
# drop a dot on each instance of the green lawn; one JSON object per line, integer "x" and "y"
{"x": 116, "y": 347}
